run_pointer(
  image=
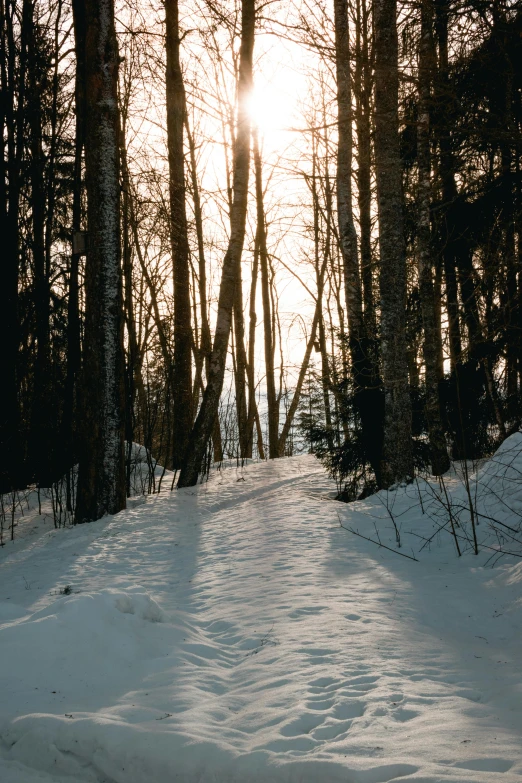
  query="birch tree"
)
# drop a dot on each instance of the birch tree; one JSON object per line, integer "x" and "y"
{"x": 365, "y": 374}
{"x": 397, "y": 459}
{"x": 101, "y": 481}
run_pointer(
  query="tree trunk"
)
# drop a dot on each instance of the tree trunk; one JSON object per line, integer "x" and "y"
{"x": 252, "y": 405}
{"x": 133, "y": 378}
{"x": 204, "y": 424}
{"x": 13, "y": 74}
{"x": 447, "y": 182}
{"x": 397, "y": 460}
{"x": 325, "y": 365}
{"x": 268, "y": 331}
{"x": 440, "y": 462}
{"x": 365, "y": 373}
{"x": 506, "y": 151}
{"x": 69, "y": 427}
{"x": 364, "y": 160}
{"x": 182, "y": 389}
{"x": 240, "y": 371}
{"x": 101, "y": 481}
{"x": 41, "y": 470}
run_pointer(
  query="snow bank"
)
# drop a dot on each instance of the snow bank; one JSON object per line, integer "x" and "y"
{"x": 492, "y": 497}
{"x": 78, "y": 643}
{"x": 36, "y": 511}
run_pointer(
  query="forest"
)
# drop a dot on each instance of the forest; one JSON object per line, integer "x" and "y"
{"x": 238, "y": 230}
{"x": 261, "y": 329}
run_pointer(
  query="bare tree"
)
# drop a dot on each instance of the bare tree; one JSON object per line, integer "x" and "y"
{"x": 182, "y": 376}
{"x": 204, "y": 424}
{"x": 365, "y": 373}
{"x": 397, "y": 461}
{"x": 269, "y": 337}
{"x": 12, "y": 125}
{"x": 101, "y": 481}
{"x": 439, "y": 452}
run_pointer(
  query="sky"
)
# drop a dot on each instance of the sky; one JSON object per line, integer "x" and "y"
{"x": 279, "y": 101}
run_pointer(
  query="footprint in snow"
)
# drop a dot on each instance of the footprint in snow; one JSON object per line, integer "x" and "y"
{"x": 304, "y": 724}
{"x": 349, "y": 709}
{"x": 385, "y": 774}
{"x": 469, "y": 695}
{"x": 324, "y": 682}
{"x": 332, "y": 731}
{"x": 306, "y": 611}
{"x": 403, "y": 715}
{"x": 485, "y": 765}
{"x": 320, "y": 704}
{"x": 317, "y": 655}
{"x": 363, "y": 679}
{"x": 364, "y": 682}
{"x": 291, "y": 744}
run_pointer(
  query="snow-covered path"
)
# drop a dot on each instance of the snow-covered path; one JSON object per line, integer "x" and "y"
{"x": 236, "y": 633}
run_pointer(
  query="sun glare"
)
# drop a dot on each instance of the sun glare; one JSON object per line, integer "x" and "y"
{"x": 272, "y": 110}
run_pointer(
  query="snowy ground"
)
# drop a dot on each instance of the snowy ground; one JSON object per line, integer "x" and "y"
{"x": 235, "y": 633}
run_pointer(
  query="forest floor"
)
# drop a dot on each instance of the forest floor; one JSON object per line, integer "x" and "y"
{"x": 236, "y": 633}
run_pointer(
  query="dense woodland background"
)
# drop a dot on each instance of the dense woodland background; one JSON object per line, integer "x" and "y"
{"x": 184, "y": 268}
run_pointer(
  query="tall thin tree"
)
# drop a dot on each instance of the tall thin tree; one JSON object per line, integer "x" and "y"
{"x": 182, "y": 376}
{"x": 397, "y": 461}
{"x": 13, "y": 71}
{"x": 365, "y": 374}
{"x": 204, "y": 424}
{"x": 269, "y": 337}
{"x": 101, "y": 481}
{"x": 438, "y": 449}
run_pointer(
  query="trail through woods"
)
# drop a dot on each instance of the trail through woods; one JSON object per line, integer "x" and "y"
{"x": 235, "y": 632}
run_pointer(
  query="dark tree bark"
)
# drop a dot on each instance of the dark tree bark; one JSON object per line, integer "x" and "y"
{"x": 240, "y": 374}
{"x": 40, "y": 442}
{"x": 468, "y": 379}
{"x": 365, "y": 373}
{"x": 101, "y": 481}
{"x": 253, "y": 414}
{"x": 440, "y": 462}
{"x": 13, "y": 124}
{"x": 363, "y": 90}
{"x": 323, "y": 250}
{"x": 182, "y": 389}
{"x": 204, "y": 424}
{"x": 69, "y": 427}
{"x": 509, "y": 208}
{"x": 397, "y": 461}
{"x": 442, "y": 102}
{"x": 268, "y": 332}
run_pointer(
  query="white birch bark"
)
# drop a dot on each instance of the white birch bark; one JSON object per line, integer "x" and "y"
{"x": 397, "y": 460}
{"x": 101, "y": 483}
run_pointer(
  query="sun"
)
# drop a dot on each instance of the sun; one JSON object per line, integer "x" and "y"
{"x": 271, "y": 110}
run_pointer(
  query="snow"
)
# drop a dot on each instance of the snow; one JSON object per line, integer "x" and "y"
{"x": 235, "y": 632}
